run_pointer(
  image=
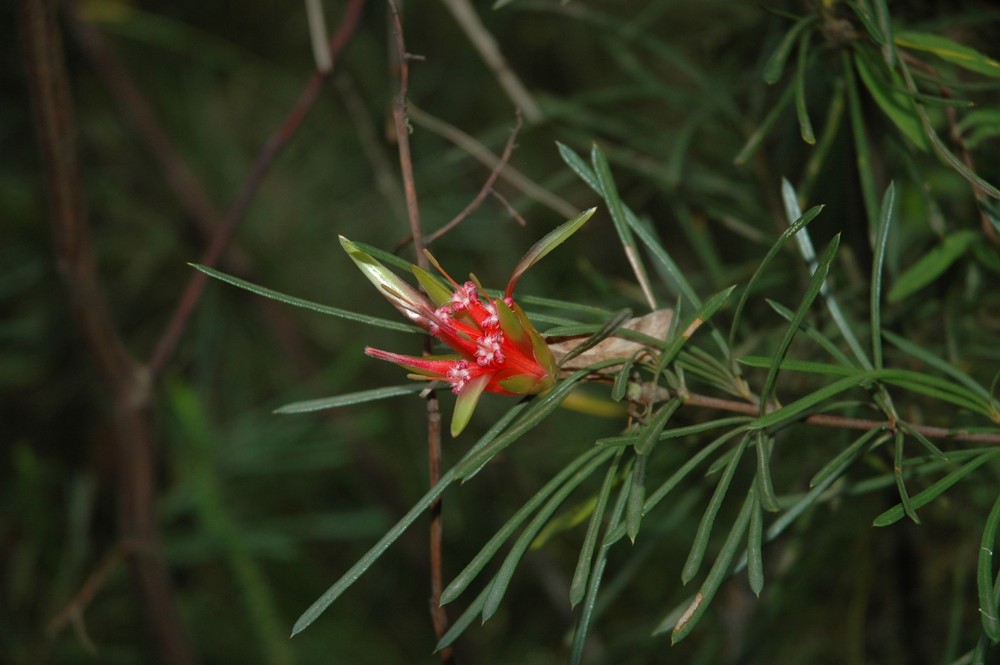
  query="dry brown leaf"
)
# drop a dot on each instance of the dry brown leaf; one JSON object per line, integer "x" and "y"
{"x": 655, "y": 324}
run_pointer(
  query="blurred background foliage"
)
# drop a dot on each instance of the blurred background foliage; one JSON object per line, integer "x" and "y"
{"x": 259, "y": 513}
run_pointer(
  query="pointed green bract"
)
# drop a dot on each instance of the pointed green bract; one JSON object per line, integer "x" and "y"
{"x": 466, "y": 403}
{"x": 404, "y": 297}
{"x": 435, "y": 290}
{"x": 522, "y": 385}
{"x": 555, "y": 238}
{"x": 510, "y": 323}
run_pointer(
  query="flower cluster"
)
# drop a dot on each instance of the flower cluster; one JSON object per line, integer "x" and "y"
{"x": 509, "y": 360}
{"x": 496, "y": 348}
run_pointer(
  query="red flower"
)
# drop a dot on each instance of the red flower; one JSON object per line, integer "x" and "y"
{"x": 496, "y": 348}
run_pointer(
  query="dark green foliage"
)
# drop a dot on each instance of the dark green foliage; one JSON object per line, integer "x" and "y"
{"x": 812, "y": 186}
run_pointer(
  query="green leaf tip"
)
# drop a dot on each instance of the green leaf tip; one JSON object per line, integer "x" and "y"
{"x": 552, "y": 240}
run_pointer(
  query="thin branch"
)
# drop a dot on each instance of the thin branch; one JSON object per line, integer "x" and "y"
{"x": 509, "y": 208}
{"x": 317, "y": 36}
{"x": 125, "y": 381}
{"x": 487, "y": 187}
{"x": 827, "y": 420}
{"x": 385, "y": 176}
{"x": 181, "y": 316}
{"x": 528, "y": 187}
{"x": 469, "y": 20}
{"x": 193, "y": 198}
{"x": 439, "y": 617}
{"x": 182, "y": 181}
{"x": 955, "y": 136}
{"x": 88, "y": 590}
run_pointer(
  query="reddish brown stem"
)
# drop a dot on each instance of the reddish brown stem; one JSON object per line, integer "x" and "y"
{"x": 265, "y": 159}
{"x": 487, "y": 187}
{"x": 439, "y": 616}
{"x": 826, "y": 420}
{"x": 125, "y": 380}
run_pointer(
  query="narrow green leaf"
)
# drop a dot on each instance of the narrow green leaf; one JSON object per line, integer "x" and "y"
{"x": 541, "y": 248}
{"x": 609, "y": 191}
{"x": 897, "y": 472}
{"x": 815, "y": 335}
{"x": 677, "y": 432}
{"x": 775, "y": 65}
{"x": 579, "y": 166}
{"x": 896, "y": 105}
{"x": 306, "y": 304}
{"x": 843, "y": 459}
{"x": 885, "y": 26}
{"x": 831, "y": 128}
{"x": 942, "y": 151}
{"x": 908, "y": 379}
{"x": 793, "y": 410}
{"x": 897, "y": 512}
{"x": 364, "y": 563}
{"x": 578, "y": 587}
{"x": 765, "y": 488}
{"x": 909, "y": 430}
{"x": 704, "y": 314}
{"x": 932, "y": 264}
{"x": 654, "y": 246}
{"x": 801, "y": 110}
{"x": 886, "y": 220}
{"x": 716, "y": 576}
{"x": 623, "y": 377}
{"x": 351, "y": 398}
{"x": 755, "y": 538}
{"x": 864, "y": 13}
{"x": 609, "y": 328}
{"x": 636, "y": 497}
{"x": 650, "y": 434}
{"x": 808, "y": 366}
{"x": 498, "y": 587}
{"x": 704, "y": 532}
{"x": 936, "y": 362}
{"x": 459, "y": 625}
{"x": 952, "y": 51}
{"x": 792, "y": 229}
{"x": 862, "y": 149}
{"x": 755, "y": 140}
{"x": 539, "y": 408}
{"x": 675, "y": 479}
{"x": 489, "y": 550}
{"x": 812, "y": 291}
{"x": 804, "y": 242}
{"x": 587, "y": 610}
{"x": 988, "y": 609}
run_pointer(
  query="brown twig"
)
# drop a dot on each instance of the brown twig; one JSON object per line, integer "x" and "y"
{"x": 439, "y": 617}
{"x": 487, "y": 187}
{"x": 193, "y": 198}
{"x": 827, "y": 420}
{"x": 88, "y": 590}
{"x": 484, "y": 156}
{"x": 955, "y": 136}
{"x": 466, "y": 16}
{"x": 224, "y": 232}
{"x": 509, "y": 208}
{"x": 126, "y": 382}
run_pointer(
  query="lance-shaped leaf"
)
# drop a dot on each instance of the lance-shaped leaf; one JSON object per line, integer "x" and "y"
{"x": 554, "y": 238}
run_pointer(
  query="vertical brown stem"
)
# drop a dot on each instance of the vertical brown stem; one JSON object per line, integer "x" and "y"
{"x": 438, "y": 615}
{"x": 124, "y": 379}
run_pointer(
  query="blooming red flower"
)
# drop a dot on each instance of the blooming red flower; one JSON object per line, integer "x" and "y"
{"x": 496, "y": 348}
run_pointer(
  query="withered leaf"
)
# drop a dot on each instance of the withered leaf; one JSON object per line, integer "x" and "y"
{"x": 655, "y": 324}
